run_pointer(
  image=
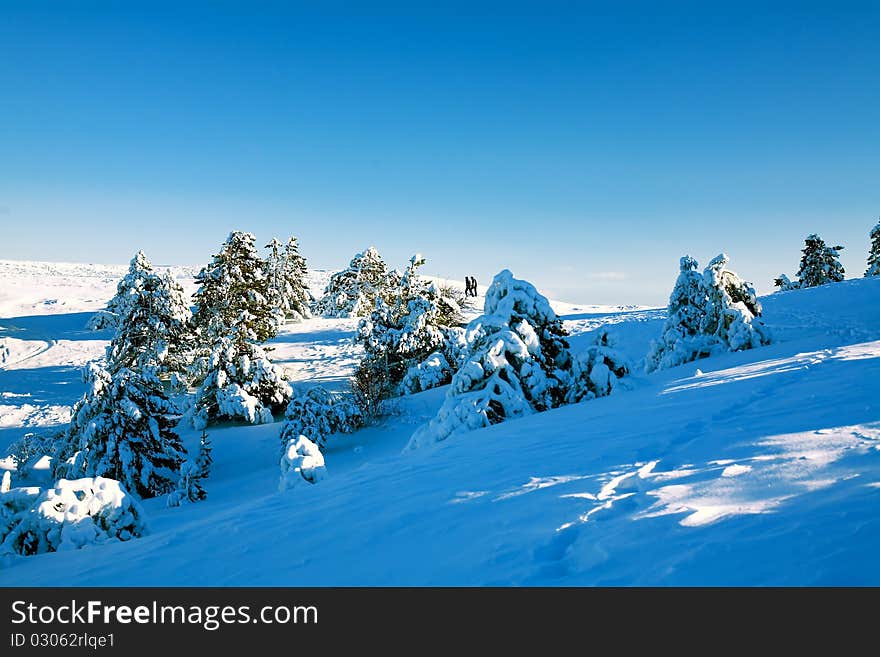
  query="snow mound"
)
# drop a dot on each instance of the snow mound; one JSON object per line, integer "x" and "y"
{"x": 302, "y": 462}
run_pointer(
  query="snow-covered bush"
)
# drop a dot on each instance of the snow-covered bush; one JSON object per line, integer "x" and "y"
{"x": 122, "y": 429}
{"x": 874, "y": 252}
{"x": 13, "y": 503}
{"x": 318, "y": 413}
{"x": 820, "y": 263}
{"x": 708, "y": 314}
{"x": 302, "y": 462}
{"x": 240, "y": 382}
{"x": 32, "y": 447}
{"x": 598, "y": 371}
{"x": 518, "y": 363}
{"x": 74, "y": 514}
{"x": 140, "y": 269}
{"x": 287, "y": 275}
{"x": 353, "y": 291}
{"x": 785, "y": 284}
{"x": 233, "y": 288}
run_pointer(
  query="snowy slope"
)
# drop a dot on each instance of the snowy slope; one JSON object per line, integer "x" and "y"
{"x": 759, "y": 467}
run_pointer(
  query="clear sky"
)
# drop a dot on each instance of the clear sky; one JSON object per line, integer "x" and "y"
{"x": 585, "y": 146}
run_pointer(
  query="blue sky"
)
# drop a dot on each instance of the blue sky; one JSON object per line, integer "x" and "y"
{"x": 585, "y": 146}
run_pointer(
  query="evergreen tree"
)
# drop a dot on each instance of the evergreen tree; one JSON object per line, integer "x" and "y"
{"x": 233, "y": 286}
{"x": 205, "y": 460}
{"x": 288, "y": 280}
{"x": 353, "y": 291}
{"x": 317, "y": 413}
{"x": 154, "y": 330}
{"x": 192, "y": 473}
{"x": 715, "y": 312}
{"x": 121, "y": 429}
{"x": 410, "y": 331}
{"x": 299, "y": 298}
{"x": 140, "y": 270}
{"x": 240, "y": 382}
{"x": 874, "y": 253}
{"x": 518, "y": 363}
{"x": 820, "y": 264}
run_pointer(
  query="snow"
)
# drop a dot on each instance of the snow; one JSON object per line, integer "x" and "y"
{"x": 757, "y": 467}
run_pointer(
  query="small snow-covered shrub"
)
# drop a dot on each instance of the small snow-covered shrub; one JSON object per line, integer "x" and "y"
{"x": 74, "y": 514}
{"x": 785, "y": 284}
{"x": 101, "y": 320}
{"x": 598, "y": 371}
{"x": 316, "y": 412}
{"x": 302, "y": 462}
{"x": 13, "y": 503}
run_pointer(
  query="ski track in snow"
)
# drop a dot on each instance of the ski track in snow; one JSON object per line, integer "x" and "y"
{"x": 756, "y": 467}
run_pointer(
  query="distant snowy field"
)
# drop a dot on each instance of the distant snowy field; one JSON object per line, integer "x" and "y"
{"x": 759, "y": 467}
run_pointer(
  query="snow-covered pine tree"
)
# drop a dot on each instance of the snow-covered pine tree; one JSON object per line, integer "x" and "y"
{"x": 140, "y": 269}
{"x": 820, "y": 264}
{"x": 153, "y": 332}
{"x": 299, "y": 298}
{"x": 277, "y": 292}
{"x": 715, "y": 312}
{"x": 874, "y": 252}
{"x": 240, "y": 382}
{"x": 122, "y": 429}
{"x": 733, "y": 311}
{"x": 413, "y": 330}
{"x": 234, "y": 285}
{"x": 353, "y": 291}
{"x": 519, "y": 363}
{"x": 205, "y": 459}
{"x": 681, "y": 340}
{"x": 192, "y": 474}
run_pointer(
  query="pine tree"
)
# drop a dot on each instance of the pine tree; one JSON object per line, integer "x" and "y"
{"x": 153, "y": 332}
{"x": 353, "y": 291}
{"x": 708, "y": 313}
{"x": 240, "y": 382}
{"x": 820, "y": 264}
{"x": 122, "y": 429}
{"x": 288, "y": 280}
{"x": 232, "y": 286}
{"x": 519, "y": 363}
{"x": 410, "y": 331}
{"x": 140, "y": 270}
{"x": 874, "y": 253}
{"x": 299, "y": 298}
{"x": 205, "y": 460}
{"x": 192, "y": 473}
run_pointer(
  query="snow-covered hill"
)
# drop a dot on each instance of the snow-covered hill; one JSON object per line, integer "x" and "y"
{"x": 759, "y": 467}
